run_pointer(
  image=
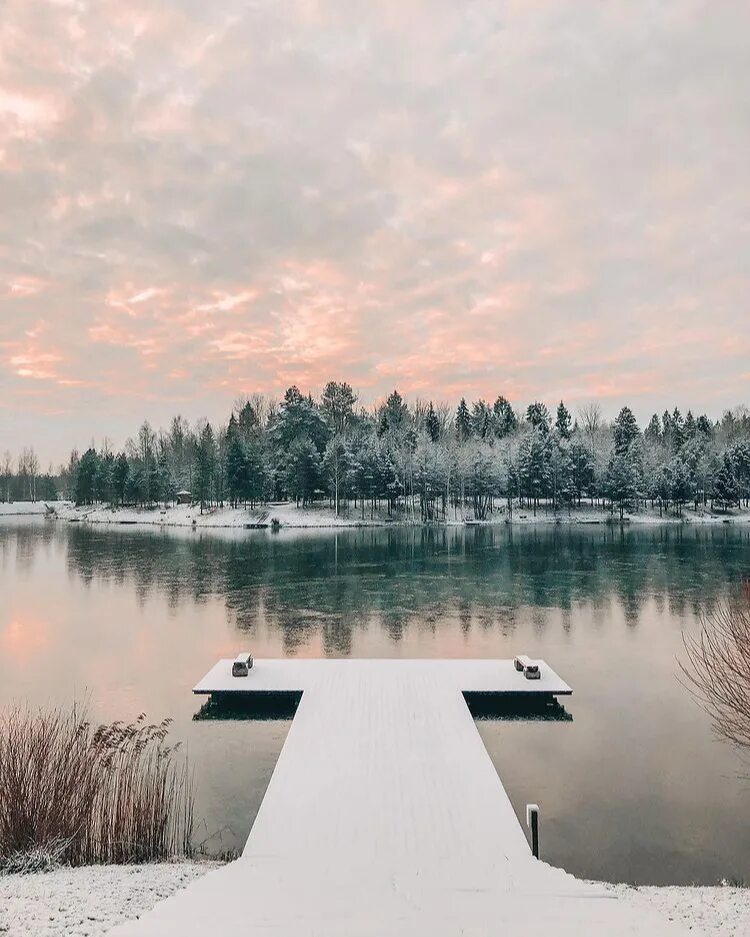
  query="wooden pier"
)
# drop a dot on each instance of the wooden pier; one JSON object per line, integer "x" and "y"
{"x": 385, "y": 816}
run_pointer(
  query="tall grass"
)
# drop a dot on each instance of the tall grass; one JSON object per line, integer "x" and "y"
{"x": 75, "y": 793}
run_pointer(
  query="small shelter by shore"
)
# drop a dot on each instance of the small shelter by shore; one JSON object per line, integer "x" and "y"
{"x": 184, "y": 497}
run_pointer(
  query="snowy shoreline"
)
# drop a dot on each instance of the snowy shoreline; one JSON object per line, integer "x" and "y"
{"x": 90, "y": 901}
{"x": 24, "y": 508}
{"x": 710, "y": 910}
{"x": 288, "y": 515}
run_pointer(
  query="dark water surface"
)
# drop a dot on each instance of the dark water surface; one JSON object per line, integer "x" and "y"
{"x": 634, "y": 788}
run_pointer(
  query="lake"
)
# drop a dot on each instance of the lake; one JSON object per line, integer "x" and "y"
{"x": 633, "y": 787}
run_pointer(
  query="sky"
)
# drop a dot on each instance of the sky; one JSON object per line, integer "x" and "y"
{"x": 199, "y": 200}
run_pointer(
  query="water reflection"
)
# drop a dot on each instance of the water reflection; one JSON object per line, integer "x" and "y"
{"x": 335, "y": 585}
{"x": 634, "y": 787}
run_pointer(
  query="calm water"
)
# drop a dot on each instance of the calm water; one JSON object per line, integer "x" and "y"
{"x": 633, "y": 788}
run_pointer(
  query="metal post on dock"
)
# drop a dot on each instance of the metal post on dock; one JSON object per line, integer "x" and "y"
{"x": 532, "y": 821}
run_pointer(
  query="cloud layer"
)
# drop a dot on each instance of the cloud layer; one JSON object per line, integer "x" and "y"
{"x": 530, "y": 198}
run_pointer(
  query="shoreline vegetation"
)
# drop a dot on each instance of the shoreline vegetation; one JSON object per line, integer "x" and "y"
{"x": 420, "y": 462}
{"x": 288, "y": 515}
{"x": 73, "y": 793}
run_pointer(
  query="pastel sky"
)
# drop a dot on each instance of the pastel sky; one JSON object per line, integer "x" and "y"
{"x": 202, "y": 199}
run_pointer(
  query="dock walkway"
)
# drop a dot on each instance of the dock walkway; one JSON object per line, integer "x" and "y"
{"x": 385, "y": 816}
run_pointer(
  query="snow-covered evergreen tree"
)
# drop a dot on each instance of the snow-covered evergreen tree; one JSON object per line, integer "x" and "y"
{"x": 625, "y": 431}
{"x": 538, "y": 416}
{"x": 726, "y": 489}
{"x": 563, "y": 421}
{"x": 463, "y": 421}
{"x": 504, "y": 418}
{"x": 432, "y": 424}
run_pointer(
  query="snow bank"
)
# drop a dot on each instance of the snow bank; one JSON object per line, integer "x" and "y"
{"x": 287, "y": 514}
{"x": 321, "y": 516}
{"x": 721, "y": 911}
{"x": 88, "y": 901}
{"x": 21, "y": 508}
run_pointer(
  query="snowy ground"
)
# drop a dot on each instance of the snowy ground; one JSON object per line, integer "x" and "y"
{"x": 288, "y": 515}
{"x": 88, "y": 902}
{"x": 19, "y": 508}
{"x": 721, "y": 911}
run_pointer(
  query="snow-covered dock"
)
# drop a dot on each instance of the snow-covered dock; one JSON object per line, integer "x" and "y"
{"x": 385, "y": 816}
{"x": 328, "y": 676}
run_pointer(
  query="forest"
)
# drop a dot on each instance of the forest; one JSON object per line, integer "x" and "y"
{"x": 419, "y": 461}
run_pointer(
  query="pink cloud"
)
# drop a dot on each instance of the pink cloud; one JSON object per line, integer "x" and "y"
{"x": 204, "y": 199}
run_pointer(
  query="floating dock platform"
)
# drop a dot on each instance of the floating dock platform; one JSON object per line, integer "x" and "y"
{"x": 292, "y": 675}
{"x": 385, "y": 817}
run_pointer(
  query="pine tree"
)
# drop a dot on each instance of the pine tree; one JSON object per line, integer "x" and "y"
{"x": 386, "y": 480}
{"x": 361, "y": 474}
{"x": 704, "y": 427}
{"x": 504, "y": 418}
{"x": 663, "y": 486}
{"x": 298, "y": 418}
{"x": 481, "y": 479}
{"x": 103, "y": 483}
{"x": 625, "y": 430}
{"x": 302, "y": 470}
{"x": 740, "y": 454}
{"x": 538, "y": 415}
{"x": 666, "y": 428}
{"x": 236, "y": 467}
{"x": 533, "y": 466}
{"x": 463, "y": 422}
{"x": 726, "y": 489}
{"x": 432, "y": 424}
{"x": 582, "y": 467}
{"x": 395, "y": 412}
{"x": 259, "y": 480}
{"x": 681, "y": 487}
{"x": 135, "y": 486}
{"x": 621, "y": 481}
{"x": 205, "y": 465}
{"x": 165, "y": 486}
{"x": 652, "y": 432}
{"x": 120, "y": 472}
{"x": 85, "y": 484}
{"x": 563, "y": 421}
{"x": 678, "y": 430}
{"x": 560, "y": 473}
{"x": 480, "y": 419}
{"x": 338, "y": 401}
{"x": 248, "y": 420}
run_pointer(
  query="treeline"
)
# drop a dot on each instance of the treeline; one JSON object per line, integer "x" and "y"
{"x": 424, "y": 461}
{"x": 21, "y": 480}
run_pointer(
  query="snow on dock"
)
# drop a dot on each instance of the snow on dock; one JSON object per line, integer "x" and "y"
{"x": 385, "y": 816}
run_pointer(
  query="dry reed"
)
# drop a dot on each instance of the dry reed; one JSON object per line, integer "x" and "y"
{"x": 75, "y": 793}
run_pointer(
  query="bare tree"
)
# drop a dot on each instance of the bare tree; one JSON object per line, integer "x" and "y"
{"x": 717, "y": 669}
{"x": 7, "y": 472}
{"x": 591, "y": 421}
{"x": 444, "y": 413}
{"x": 32, "y": 469}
